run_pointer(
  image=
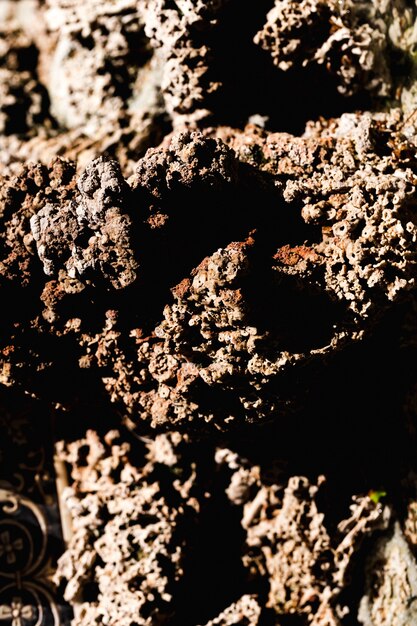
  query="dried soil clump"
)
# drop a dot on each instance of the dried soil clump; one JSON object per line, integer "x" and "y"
{"x": 130, "y": 527}
{"x": 214, "y": 345}
{"x": 208, "y": 235}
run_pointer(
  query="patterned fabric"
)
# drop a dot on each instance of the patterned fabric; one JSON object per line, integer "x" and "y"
{"x": 30, "y": 529}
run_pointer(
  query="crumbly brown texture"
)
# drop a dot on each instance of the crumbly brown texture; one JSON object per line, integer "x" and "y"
{"x": 97, "y": 231}
{"x": 366, "y": 46}
{"x": 288, "y": 541}
{"x": 137, "y": 519}
{"x": 130, "y": 527}
{"x": 229, "y": 327}
{"x": 245, "y": 612}
{"x": 208, "y": 267}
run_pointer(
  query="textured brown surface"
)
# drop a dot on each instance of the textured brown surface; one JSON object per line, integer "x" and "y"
{"x": 208, "y": 268}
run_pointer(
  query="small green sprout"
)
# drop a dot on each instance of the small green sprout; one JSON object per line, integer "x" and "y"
{"x": 376, "y": 494}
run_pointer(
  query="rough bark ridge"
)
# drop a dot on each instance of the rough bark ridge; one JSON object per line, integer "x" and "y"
{"x": 208, "y": 259}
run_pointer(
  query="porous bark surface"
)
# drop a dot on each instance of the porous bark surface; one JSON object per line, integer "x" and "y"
{"x": 208, "y": 262}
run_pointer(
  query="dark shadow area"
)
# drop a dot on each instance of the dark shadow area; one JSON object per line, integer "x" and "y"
{"x": 252, "y": 84}
{"x": 29, "y": 514}
{"x": 196, "y": 223}
{"x": 352, "y": 427}
{"x": 214, "y": 573}
{"x": 297, "y": 318}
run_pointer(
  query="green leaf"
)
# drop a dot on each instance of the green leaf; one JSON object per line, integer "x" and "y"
{"x": 375, "y": 495}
